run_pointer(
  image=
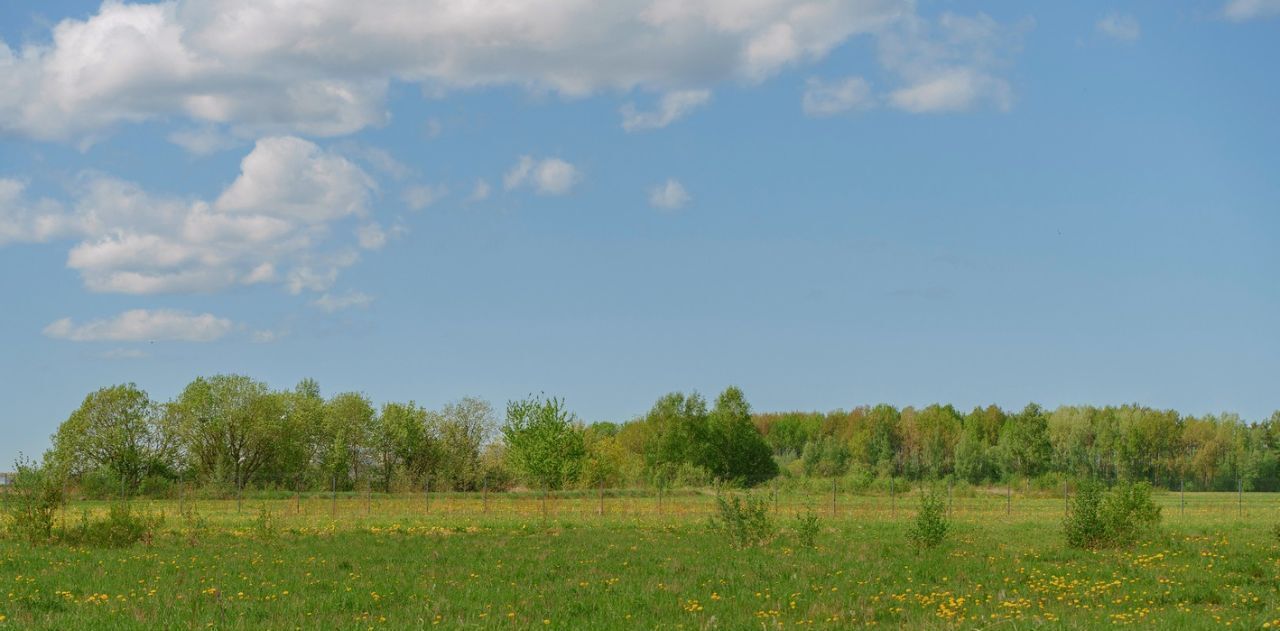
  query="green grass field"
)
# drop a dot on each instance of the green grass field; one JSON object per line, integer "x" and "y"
{"x": 464, "y": 562}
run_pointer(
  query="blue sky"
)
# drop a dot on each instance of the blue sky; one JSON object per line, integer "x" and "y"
{"x": 826, "y": 203}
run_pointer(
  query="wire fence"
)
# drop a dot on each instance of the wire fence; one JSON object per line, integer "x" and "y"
{"x": 976, "y": 505}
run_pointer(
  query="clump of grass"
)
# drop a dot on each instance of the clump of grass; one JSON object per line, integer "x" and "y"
{"x": 122, "y": 527}
{"x": 744, "y": 522}
{"x": 931, "y": 525}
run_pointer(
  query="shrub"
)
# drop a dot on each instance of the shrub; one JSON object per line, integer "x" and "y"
{"x": 807, "y": 527}
{"x": 122, "y": 527}
{"x": 745, "y": 522}
{"x": 1099, "y": 518}
{"x": 265, "y": 527}
{"x": 34, "y": 497}
{"x": 931, "y": 525}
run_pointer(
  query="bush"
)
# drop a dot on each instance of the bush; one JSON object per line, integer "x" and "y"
{"x": 745, "y": 522}
{"x": 1098, "y": 518}
{"x": 931, "y": 525}
{"x": 34, "y": 498}
{"x": 807, "y": 527}
{"x": 265, "y": 526}
{"x": 122, "y": 527}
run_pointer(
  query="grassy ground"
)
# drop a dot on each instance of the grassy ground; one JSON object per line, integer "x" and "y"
{"x": 403, "y": 563}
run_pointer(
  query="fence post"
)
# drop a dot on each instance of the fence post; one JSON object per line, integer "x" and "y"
{"x": 426, "y": 494}
{"x": 602, "y": 498}
{"x": 833, "y": 497}
{"x": 1008, "y": 498}
{"x": 486, "y": 494}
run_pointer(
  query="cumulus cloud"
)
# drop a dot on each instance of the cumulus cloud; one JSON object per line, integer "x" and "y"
{"x": 672, "y": 107}
{"x": 330, "y": 303}
{"x": 1244, "y": 10}
{"x": 23, "y": 219}
{"x": 828, "y": 98}
{"x": 1119, "y": 26}
{"x": 547, "y": 176}
{"x": 669, "y": 195}
{"x": 324, "y": 67}
{"x": 141, "y": 325}
{"x": 952, "y": 64}
{"x": 272, "y": 224}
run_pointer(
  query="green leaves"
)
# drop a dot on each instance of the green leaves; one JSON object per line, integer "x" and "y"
{"x": 544, "y": 441}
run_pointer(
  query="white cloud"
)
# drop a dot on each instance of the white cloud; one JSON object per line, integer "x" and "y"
{"x": 953, "y": 65}
{"x": 202, "y": 141}
{"x": 419, "y": 197}
{"x": 672, "y": 107}
{"x": 481, "y": 191}
{"x": 330, "y": 303}
{"x": 547, "y": 176}
{"x": 26, "y": 220}
{"x": 1244, "y": 10}
{"x": 669, "y": 195}
{"x": 292, "y": 178}
{"x": 272, "y": 224}
{"x": 1119, "y": 26}
{"x": 828, "y": 98}
{"x": 323, "y": 67}
{"x": 141, "y": 325}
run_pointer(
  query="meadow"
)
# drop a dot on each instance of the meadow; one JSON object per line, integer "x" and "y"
{"x": 471, "y": 561}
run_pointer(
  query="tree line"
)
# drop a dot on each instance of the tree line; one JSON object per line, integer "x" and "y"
{"x": 989, "y": 444}
{"x": 233, "y": 432}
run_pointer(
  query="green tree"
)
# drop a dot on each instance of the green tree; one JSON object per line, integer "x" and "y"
{"x": 544, "y": 442}
{"x": 401, "y": 440}
{"x": 118, "y": 428}
{"x": 738, "y": 451}
{"x": 348, "y": 429}
{"x": 1024, "y": 443}
{"x": 462, "y": 428}
{"x": 232, "y": 426}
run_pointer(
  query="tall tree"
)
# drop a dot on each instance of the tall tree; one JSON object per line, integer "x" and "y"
{"x": 739, "y": 452}
{"x": 231, "y": 425}
{"x": 118, "y": 428}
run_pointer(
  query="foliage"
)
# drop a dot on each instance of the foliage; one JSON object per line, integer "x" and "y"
{"x": 32, "y": 501}
{"x": 117, "y": 428}
{"x": 807, "y": 526}
{"x": 122, "y": 527}
{"x": 544, "y": 442}
{"x": 931, "y": 524}
{"x": 743, "y": 520}
{"x": 1100, "y": 518}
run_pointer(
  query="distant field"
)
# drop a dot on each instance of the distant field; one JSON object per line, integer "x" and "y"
{"x": 465, "y": 562}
